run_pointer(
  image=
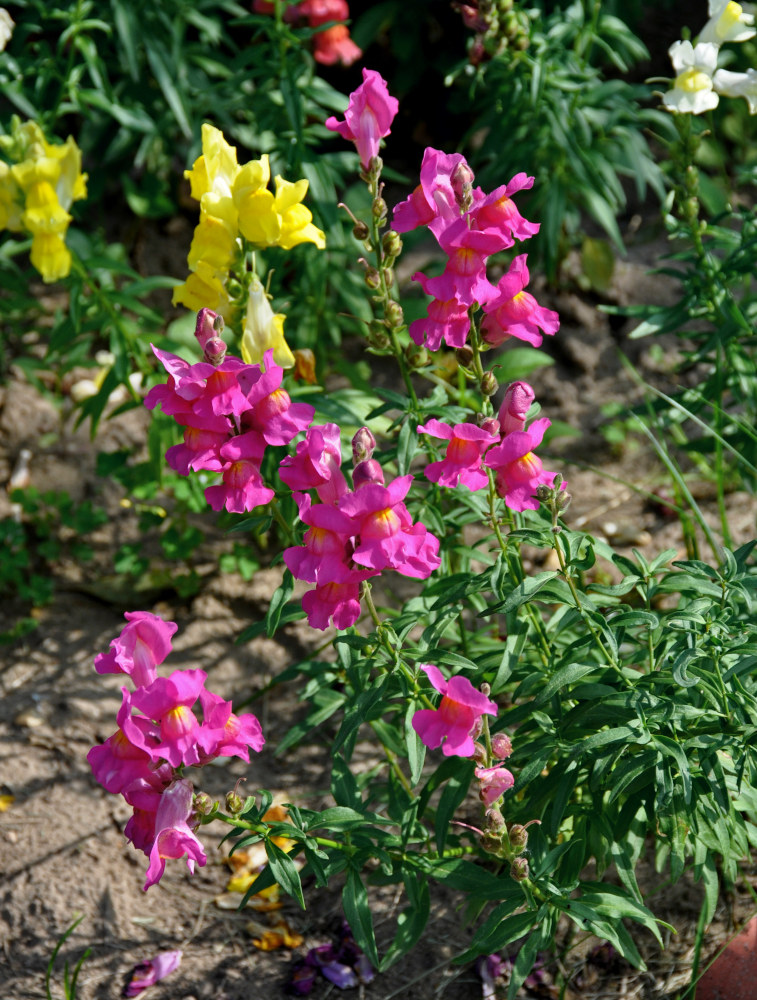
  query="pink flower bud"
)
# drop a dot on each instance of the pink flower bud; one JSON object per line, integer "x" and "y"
{"x": 207, "y": 327}
{"x": 512, "y": 413}
{"x": 366, "y": 472}
{"x": 215, "y": 351}
{"x": 363, "y": 444}
{"x": 501, "y": 746}
{"x": 490, "y": 425}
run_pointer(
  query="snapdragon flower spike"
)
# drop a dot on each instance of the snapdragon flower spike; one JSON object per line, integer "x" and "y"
{"x": 167, "y": 702}
{"x": 141, "y": 646}
{"x": 435, "y": 202}
{"x": 494, "y": 782}
{"x": 242, "y": 488}
{"x": 452, "y": 723}
{"x": 388, "y": 539}
{"x": 270, "y": 408}
{"x": 462, "y": 462}
{"x": 316, "y": 464}
{"x": 174, "y": 837}
{"x": 368, "y": 118}
{"x": 497, "y": 215}
{"x": 446, "y": 319}
{"x": 518, "y": 470}
{"x": 514, "y": 312}
{"x": 515, "y": 406}
{"x": 225, "y": 734}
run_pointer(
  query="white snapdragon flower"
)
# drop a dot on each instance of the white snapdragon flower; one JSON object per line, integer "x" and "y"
{"x": 7, "y": 24}
{"x": 692, "y": 91}
{"x": 729, "y": 22}
{"x": 738, "y": 85}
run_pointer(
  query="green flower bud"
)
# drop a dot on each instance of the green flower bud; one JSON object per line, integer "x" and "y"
{"x": 489, "y": 384}
{"x": 203, "y": 804}
{"x": 360, "y": 231}
{"x": 372, "y": 278}
{"x": 417, "y": 356}
{"x": 393, "y": 315}
{"x": 464, "y": 356}
{"x": 519, "y": 869}
{"x": 392, "y": 244}
{"x": 234, "y": 803}
{"x": 379, "y": 209}
{"x": 518, "y": 837}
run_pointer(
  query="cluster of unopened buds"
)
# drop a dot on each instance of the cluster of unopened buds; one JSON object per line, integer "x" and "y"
{"x": 497, "y": 26}
{"x": 144, "y": 759}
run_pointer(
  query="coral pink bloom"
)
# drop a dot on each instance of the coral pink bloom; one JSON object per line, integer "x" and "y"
{"x": 453, "y": 721}
{"x": 368, "y": 117}
{"x": 334, "y": 45}
{"x": 152, "y": 971}
{"x": 387, "y": 537}
{"x": 223, "y": 395}
{"x": 173, "y": 835}
{"x": 225, "y": 734}
{"x": 515, "y": 406}
{"x": 447, "y": 319}
{"x": 167, "y": 702}
{"x": 243, "y": 488}
{"x": 495, "y": 781}
{"x": 518, "y": 470}
{"x": 324, "y": 556}
{"x": 462, "y": 462}
{"x": 496, "y": 212}
{"x": 141, "y": 646}
{"x": 337, "y": 602}
{"x": 201, "y": 448}
{"x": 317, "y": 464}
{"x": 186, "y": 382}
{"x": 271, "y": 411}
{"x": 435, "y": 202}
{"x": 515, "y": 313}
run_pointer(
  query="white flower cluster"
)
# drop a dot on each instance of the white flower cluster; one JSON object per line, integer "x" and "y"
{"x": 699, "y": 83}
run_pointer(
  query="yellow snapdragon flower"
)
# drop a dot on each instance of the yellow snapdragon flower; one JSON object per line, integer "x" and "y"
{"x": 263, "y": 330}
{"x": 37, "y": 190}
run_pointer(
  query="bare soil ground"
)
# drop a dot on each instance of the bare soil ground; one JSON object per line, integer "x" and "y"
{"x": 62, "y": 850}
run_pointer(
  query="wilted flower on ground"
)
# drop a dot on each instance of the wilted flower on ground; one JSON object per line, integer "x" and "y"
{"x": 453, "y": 721}
{"x": 692, "y": 91}
{"x": 368, "y": 117}
{"x": 152, "y": 971}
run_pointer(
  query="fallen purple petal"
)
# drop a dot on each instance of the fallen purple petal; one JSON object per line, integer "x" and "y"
{"x": 150, "y": 972}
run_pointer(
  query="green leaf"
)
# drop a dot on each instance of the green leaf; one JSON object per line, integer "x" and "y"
{"x": 521, "y": 594}
{"x": 411, "y": 922}
{"x": 358, "y": 914}
{"x": 416, "y": 750}
{"x": 278, "y": 601}
{"x": 284, "y": 871}
{"x": 158, "y": 60}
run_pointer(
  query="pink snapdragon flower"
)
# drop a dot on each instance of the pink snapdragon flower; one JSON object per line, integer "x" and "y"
{"x": 117, "y": 762}
{"x": 388, "y": 539}
{"x": 462, "y": 462}
{"x": 225, "y": 734}
{"x": 464, "y": 275}
{"x": 368, "y": 117}
{"x": 326, "y": 550}
{"x": 453, "y": 722}
{"x": 317, "y": 464}
{"x": 496, "y": 213}
{"x": 494, "y": 782}
{"x": 270, "y": 409}
{"x": 436, "y": 202}
{"x": 446, "y": 319}
{"x": 174, "y": 837}
{"x": 336, "y": 602}
{"x": 516, "y": 313}
{"x": 167, "y": 702}
{"x": 141, "y": 646}
{"x": 152, "y": 971}
{"x": 242, "y": 488}
{"x": 518, "y": 470}
{"x": 201, "y": 448}
{"x": 515, "y": 406}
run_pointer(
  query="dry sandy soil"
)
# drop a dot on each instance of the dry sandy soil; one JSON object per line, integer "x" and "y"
{"x": 62, "y": 850}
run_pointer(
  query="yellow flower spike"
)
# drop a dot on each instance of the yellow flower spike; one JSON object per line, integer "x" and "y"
{"x": 204, "y": 289}
{"x": 263, "y": 330}
{"x": 214, "y": 242}
{"x": 296, "y": 220}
